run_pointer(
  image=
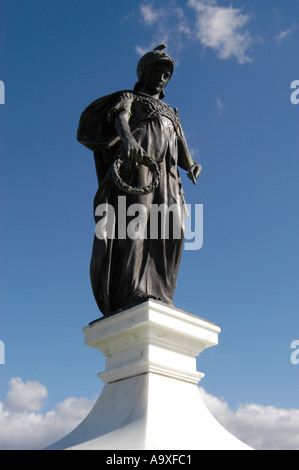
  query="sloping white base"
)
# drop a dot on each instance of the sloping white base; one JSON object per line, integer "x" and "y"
{"x": 150, "y": 412}
{"x": 151, "y": 399}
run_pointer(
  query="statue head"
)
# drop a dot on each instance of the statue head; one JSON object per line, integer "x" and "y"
{"x": 151, "y": 59}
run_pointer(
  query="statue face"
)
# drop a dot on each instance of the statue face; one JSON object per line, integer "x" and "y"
{"x": 155, "y": 78}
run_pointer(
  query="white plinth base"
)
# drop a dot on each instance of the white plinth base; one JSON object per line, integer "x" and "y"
{"x": 151, "y": 399}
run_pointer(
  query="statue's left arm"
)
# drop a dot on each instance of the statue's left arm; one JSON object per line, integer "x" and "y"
{"x": 185, "y": 160}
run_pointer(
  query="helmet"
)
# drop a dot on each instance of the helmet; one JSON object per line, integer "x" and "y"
{"x": 151, "y": 57}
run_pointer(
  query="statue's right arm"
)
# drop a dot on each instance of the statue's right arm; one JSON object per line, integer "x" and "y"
{"x": 133, "y": 150}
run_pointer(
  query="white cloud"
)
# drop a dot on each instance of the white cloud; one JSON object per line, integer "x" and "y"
{"x": 25, "y": 396}
{"x": 222, "y": 29}
{"x": 149, "y": 14}
{"x": 24, "y": 426}
{"x": 262, "y": 427}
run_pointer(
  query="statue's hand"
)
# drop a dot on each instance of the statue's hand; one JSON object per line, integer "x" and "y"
{"x": 134, "y": 151}
{"x": 194, "y": 173}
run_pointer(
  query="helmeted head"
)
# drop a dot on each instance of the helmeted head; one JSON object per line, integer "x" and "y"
{"x": 150, "y": 59}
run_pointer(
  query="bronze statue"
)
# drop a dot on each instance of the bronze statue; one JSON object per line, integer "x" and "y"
{"x": 138, "y": 144}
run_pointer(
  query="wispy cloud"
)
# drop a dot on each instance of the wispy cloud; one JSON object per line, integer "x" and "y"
{"x": 219, "y": 104}
{"x": 279, "y": 38}
{"x": 25, "y": 426}
{"x": 222, "y": 29}
{"x": 150, "y": 15}
{"x": 169, "y": 24}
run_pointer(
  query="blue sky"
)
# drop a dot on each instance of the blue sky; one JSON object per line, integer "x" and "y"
{"x": 235, "y": 62}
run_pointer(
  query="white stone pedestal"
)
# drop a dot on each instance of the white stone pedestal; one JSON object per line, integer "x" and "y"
{"x": 151, "y": 398}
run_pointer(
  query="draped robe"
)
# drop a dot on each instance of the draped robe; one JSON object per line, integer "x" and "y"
{"x": 126, "y": 270}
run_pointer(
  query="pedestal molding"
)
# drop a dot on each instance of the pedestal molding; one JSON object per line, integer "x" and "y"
{"x": 151, "y": 337}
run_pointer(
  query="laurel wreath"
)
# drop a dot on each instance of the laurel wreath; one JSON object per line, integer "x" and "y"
{"x": 125, "y": 187}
